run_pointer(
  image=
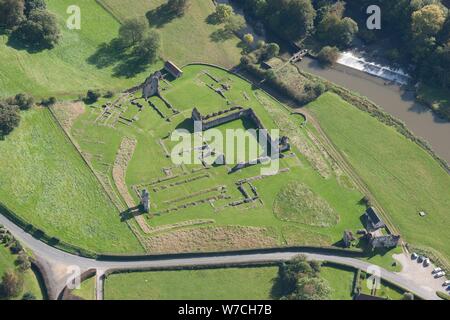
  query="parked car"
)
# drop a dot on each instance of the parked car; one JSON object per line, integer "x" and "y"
{"x": 439, "y": 274}
{"x": 421, "y": 258}
{"x": 414, "y": 256}
{"x": 426, "y": 262}
{"x": 446, "y": 283}
{"x": 436, "y": 270}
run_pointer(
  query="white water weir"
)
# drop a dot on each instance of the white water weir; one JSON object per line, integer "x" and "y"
{"x": 351, "y": 60}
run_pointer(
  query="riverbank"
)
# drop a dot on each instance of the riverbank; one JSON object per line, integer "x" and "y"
{"x": 396, "y": 100}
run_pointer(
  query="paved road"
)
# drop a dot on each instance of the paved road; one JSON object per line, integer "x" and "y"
{"x": 58, "y": 264}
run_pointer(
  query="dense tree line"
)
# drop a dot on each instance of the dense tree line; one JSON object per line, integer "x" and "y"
{"x": 300, "y": 279}
{"x": 419, "y": 34}
{"x": 418, "y": 30}
{"x": 29, "y": 22}
{"x": 10, "y": 111}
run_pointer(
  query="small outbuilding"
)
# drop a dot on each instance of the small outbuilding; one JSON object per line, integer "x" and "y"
{"x": 373, "y": 220}
{"x": 172, "y": 68}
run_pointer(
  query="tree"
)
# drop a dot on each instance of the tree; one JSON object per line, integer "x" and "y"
{"x": 11, "y": 13}
{"x": 12, "y": 284}
{"x": 178, "y": 7}
{"x": 92, "y": 96}
{"x": 248, "y": 39}
{"x": 132, "y": 31}
{"x": 40, "y": 29}
{"x": 428, "y": 21}
{"x": 22, "y": 100}
{"x": 334, "y": 30}
{"x": 9, "y": 118}
{"x": 291, "y": 19}
{"x": 147, "y": 49}
{"x": 234, "y": 23}
{"x": 31, "y": 5}
{"x": 328, "y": 55}
{"x": 271, "y": 50}
{"x": 223, "y": 12}
{"x": 311, "y": 288}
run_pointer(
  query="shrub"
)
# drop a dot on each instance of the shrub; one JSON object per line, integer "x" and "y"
{"x": 28, "y": 296}
{"x": 23, "y": 262}
{"x": 16, "y": 247}
{"x": 9, "y": 118}
{"x": 328, "y": 55}
{"x": 48, "y": 102}
{"x": 108, "y": 94}
{"x": 12, "y": 284}
{"x": 92, "y": 96}
{"x": 22, "y": 100}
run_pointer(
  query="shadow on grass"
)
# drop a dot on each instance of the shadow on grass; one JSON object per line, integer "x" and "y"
{"x": 221, "y": 35}
{"x": 186, "y": 124}
{"x": 114, "y": 54}
{"x": 212, "y": 19}
{"x": 278, "y": 289}
{"x": 131, "y": 213}
{"x": 160, "y": 16}
{"x": 15, "y": 42}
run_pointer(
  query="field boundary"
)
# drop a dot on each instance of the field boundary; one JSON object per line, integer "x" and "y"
{"x": 108, "y": 9}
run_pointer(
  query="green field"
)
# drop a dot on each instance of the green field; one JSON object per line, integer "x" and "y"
{"x": 402, "y": 176}
{"x": 186, "y": 39}
{"x": 86, "y": 290}
{"x": 30, "y": 284}
{"x": 340, "y": 280}
{"x": 44, "y": 180}
{"x": 208, "y": 284}
{"x": 65, "y": 70}
{"x": 204, "y": 226}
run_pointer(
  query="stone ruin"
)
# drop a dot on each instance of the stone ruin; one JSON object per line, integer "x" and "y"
{"x": 145, "y": 201}
{"x": 151, "y": 85}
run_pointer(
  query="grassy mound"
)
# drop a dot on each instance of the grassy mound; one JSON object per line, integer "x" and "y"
{"x": 297, "y": 203}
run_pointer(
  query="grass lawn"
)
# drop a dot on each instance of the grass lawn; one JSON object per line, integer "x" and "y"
{"x": 184, "y": 39}
{"x": 65, "y": 70}
{"x": 7, "y": 263}
{"x": 209, "y": 284}
{"x": 340, "y": 280}
{"x": 248, "y": 225}
{"x": 87, "y": 289}
{"x": 44, "y": 180}
{"x": 403, "y": 177}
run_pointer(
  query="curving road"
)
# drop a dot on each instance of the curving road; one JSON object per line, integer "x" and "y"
{"x": 57, "y": 264}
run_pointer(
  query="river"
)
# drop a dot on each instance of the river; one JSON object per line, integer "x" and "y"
{"x": 364, "y": 77}
{"x": 393, "y": 98}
